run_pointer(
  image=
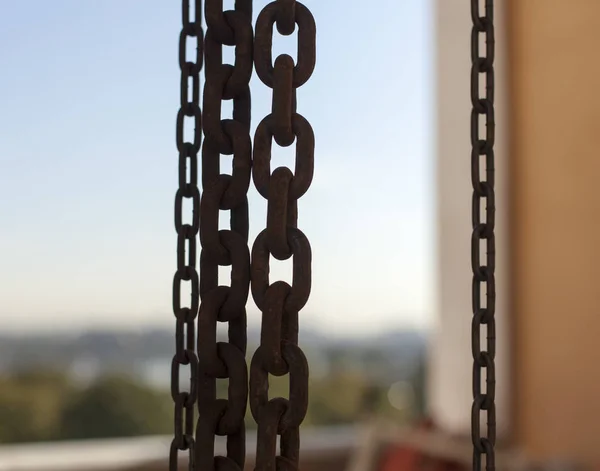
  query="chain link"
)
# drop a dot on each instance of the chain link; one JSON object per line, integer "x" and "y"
{"x": 280, "y": 303}
{"x": 221, "y": 192}
{"x": 187, "y": 233}
{"x": 483, "y": 234}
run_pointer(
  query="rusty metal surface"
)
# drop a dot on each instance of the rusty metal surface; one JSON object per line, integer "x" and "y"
{"x": 483, "y": 216}
{"x": 278, "y": 419}
{"x": 186, "y": 276}
{"x": 226, "y": 247}
{"x": 279, "y": 302}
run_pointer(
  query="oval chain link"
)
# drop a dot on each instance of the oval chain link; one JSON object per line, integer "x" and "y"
{"x": 483, "y": 234}
{"x": 278, "y": 353}
{"x": 229, "y": 247}
{"x": 187, "y": 234}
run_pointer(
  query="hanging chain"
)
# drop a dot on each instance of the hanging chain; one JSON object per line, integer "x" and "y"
{"x": 280, "y": 303}
{"x": 222, "y": 192}
{"x": 483, "y": 234}
{"x": 187, "y": 234}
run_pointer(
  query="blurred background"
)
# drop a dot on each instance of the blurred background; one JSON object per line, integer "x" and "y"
{"x": 89, "y": 93}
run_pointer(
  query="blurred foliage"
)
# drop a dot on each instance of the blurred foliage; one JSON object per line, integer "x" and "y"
{"x": 115, "y": 406}
{"x": 40, "y": 406}
{"x": 47, "y": 405}
{"x": 31, "y": 405}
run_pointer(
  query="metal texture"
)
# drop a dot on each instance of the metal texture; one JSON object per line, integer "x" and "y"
{"x": 280, "y": 303}
{"x": 187, "y": 234}
{"x": 226, "y": 247}
{"x": 483, "y": 237}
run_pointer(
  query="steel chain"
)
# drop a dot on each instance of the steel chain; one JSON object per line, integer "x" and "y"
{"x": 224, "y": 417}
{"x": 187, "y": 233}
{"x": 280, "y": 303}
{"x": 483, "y": 234}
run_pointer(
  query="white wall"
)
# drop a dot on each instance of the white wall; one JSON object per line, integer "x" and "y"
{"x": 450, "y": 391}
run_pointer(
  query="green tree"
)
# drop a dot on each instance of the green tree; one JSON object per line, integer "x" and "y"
{"x": 116, "y": 406}
{"x": 31, "y": 404}
{"x": 419, "y": 382}
{"x": 336, "y": 399}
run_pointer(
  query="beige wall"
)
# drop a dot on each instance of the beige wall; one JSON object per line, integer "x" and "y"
{"x": 555, "y": 85}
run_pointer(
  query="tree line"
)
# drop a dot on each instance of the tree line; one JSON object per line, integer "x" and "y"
{"x": 44, "y": 405}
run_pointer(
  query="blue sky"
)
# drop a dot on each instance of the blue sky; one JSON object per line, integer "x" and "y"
{"x": 89, "y": 91}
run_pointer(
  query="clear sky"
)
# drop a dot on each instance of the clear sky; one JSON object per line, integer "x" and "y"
{"x": 89, "y": 91}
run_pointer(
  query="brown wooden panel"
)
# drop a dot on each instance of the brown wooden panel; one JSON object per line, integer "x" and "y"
{"x": 555, "y": 170}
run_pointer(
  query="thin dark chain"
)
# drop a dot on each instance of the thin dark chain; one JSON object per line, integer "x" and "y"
{"x": 187, "y": 234}
{"x": 222, "y": 192}
{"x": 280, "y": 303}
{"x": 483, "y": 235}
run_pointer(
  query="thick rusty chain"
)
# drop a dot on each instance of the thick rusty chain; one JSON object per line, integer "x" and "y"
{"x": 224, "y": 417}
{"x": 483, "y": 232}
{"x": 187, "y": 233}
{"x": 280, "y": 303}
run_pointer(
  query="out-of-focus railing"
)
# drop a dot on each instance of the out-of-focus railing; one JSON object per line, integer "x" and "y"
{"x": 329, "y": 446}
{"x": 345, "y": 448}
